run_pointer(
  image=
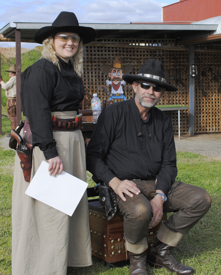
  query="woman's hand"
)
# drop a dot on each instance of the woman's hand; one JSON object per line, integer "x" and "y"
{"x": 55, "y": 166}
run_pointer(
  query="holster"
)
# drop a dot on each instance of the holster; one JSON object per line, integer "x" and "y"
{"x": 12, "y": 141}
{"x": 25, "y": 156}
{"x": 107, "y": 199}
{"x": 23, "y": 148}
{"x": 12, "y": 111}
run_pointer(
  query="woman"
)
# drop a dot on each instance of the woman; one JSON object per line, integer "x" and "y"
{"x": 45, "y": 241}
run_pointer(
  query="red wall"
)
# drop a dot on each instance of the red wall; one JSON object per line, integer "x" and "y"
{"x": 192, "y": 10}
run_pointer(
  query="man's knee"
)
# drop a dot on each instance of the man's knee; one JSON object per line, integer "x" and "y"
{"x": 137, "y": 223}
{"x": 141, "y": 213}
{"x": 203, "y": 200}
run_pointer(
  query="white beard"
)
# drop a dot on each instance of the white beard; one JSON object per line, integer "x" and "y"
{"x": 146, "y": 104}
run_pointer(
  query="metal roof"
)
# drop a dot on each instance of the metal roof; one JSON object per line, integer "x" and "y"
{"x": 127, "y": 30}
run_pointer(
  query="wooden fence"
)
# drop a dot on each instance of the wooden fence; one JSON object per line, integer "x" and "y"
{"x": 176, "y": 63}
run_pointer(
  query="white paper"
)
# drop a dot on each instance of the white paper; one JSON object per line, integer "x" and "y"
{"x": 62, "y": 192}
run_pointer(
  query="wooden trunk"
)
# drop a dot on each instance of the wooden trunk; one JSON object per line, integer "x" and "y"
{"x": 107, "y": 237}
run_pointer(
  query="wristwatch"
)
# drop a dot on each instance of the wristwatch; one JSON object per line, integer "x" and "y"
{"x": 164, "y": 197}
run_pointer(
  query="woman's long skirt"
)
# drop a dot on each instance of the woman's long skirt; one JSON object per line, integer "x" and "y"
{"x": 44, "y": 240}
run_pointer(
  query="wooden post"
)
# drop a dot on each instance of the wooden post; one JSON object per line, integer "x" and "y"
{"x": 191, "y": 93}
{"x": 18, "y": 73}
{"x": 1, "y": 93}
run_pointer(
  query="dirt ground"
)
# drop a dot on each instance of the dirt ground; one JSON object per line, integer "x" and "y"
{"x": 204, "y": 144}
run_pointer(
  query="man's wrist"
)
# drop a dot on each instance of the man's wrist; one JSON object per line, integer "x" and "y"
{"x": 162, "y": 195}
{"x": 114, "y": 182}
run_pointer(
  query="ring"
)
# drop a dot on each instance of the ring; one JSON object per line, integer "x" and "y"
{"x": 159, "y": 219}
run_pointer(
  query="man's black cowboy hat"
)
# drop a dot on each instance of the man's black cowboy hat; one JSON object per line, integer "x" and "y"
{"x": 151, "y": 71}
{"x": 65, "y": 22}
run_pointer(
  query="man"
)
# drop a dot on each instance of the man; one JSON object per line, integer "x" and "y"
{"x": 132, "y": 151}
{"x": 10, "y": 93}
{"x": 115, "y": 73}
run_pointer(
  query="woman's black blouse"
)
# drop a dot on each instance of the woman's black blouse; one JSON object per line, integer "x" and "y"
{"x": 45, "y": 89}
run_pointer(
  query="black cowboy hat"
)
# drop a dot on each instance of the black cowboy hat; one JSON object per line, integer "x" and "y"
{"x": 65, "y": 22}
{"x": 151, "y": 71}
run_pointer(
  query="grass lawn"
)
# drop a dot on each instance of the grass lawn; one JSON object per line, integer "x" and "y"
{"x": 200, "y": 248}
{"x": 6, "y": 125}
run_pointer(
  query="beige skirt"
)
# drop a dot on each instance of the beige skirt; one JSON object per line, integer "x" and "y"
{"x": 44, "y": 240}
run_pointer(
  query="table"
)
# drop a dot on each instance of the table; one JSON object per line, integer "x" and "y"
{"x": 178, "y": 108}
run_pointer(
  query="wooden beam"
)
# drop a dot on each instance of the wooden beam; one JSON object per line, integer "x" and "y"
{"x": 161, "y": 48}
{"x": 191, "y": 93}
{"x": 199, "y": 40}
{"x": 18, "y": 74}
{"x": 0, "y": 94}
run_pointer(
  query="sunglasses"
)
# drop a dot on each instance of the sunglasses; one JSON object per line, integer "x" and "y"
{"x": 147, "y": 87}
{"x": 64, "y": 37}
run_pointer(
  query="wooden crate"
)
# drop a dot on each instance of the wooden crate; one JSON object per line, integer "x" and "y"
{"x": 107, "y": 237}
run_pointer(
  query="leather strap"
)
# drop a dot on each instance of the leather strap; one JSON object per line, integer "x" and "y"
{"x": 66, "y": 125}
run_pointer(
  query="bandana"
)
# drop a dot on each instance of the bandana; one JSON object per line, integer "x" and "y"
{"x": 116, "y": 86}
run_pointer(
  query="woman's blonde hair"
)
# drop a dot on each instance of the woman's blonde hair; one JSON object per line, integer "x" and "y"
{"x": 49, "y": 53}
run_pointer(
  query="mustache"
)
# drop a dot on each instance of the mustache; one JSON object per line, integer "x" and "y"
{"x": 150, "y": 96}
{"x": 116, "y": 78}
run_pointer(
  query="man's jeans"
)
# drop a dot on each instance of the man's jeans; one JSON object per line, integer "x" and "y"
{"x": 190, "y": 203}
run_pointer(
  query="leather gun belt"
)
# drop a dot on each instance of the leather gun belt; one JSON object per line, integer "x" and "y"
{"x": 66, "y": 124}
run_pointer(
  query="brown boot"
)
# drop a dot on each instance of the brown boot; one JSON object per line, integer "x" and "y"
{"x": 138, "y": 263}
{"x": 160, "y": 256}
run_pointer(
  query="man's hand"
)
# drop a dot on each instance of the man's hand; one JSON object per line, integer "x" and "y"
{"x": 124, "y": 187}
{"x": 157, "y": 206}
{"x": 55, "y": 166}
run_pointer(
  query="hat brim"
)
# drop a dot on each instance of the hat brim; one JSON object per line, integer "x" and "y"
{"x": 86, "y": 33}
{"x": 126, "y": 69}
{"x": 129, "y": 78}
{"x": 10, "y": 71}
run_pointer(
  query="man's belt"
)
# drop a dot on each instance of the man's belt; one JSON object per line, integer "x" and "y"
{"x": 72, "y": 124}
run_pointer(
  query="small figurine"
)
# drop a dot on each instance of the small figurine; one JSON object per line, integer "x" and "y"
{"x": 115, "y": 72}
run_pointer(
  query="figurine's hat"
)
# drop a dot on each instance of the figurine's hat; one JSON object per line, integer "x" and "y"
{"x": 116, "y": 65}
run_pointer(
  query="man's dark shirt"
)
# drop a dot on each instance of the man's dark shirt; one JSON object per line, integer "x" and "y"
{"x": 44, "y": 89}
{"x": 126, "y": 147}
